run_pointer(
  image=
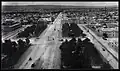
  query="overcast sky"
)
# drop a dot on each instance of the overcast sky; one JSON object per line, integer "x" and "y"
{"x": 63, "y": 3}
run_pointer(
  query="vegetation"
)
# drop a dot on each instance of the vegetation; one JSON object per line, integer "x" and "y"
{"x": 34, "y": 30}
{"x": 27, "y": 31}
{"x": 13, "y": 51}
{"x": 105, "y": 35}
{"x": 79, "y": 55}
{"x": 71, "y": 30}
{"x": 39, "y": 29}
{"x": 52, "y": 19}
{"x": 65, "y": 30}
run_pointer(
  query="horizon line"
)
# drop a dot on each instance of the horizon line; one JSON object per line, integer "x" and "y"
{"x": 61, "y": 3}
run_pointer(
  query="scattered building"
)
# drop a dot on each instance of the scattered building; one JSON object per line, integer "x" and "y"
{"x": 113, "y": 43}
{"x": 111, "y": 32}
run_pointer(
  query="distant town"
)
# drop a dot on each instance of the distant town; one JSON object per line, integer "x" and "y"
{"x": 59, "y": 37}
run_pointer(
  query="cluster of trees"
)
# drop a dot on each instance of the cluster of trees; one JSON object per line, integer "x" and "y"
{"x": 39, "y": 29}
{"x": 73, "y": 55}
{"x": 79, "y": 54}
{"x": 75, "y": 29}
{"x": 27, "y": 32}
{"x": 105, "y": 35}
{"x": 65, "y": 30}
{"x": 13, "y": 51}
{"x": 72, "y": 29}
{"x": 33, "y": 30}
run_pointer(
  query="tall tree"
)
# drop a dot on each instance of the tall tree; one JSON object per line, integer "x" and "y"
{"x": 14, "y": 46}
{"x": 21, "y": 44}
{"x": 8, "y": 46}
{"x": 27, "y": 41}
{"x": 105, "y": 35}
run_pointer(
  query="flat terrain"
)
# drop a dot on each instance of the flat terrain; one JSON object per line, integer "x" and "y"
{"x": 45, "y": 53}
{"x": 109, "y": 54}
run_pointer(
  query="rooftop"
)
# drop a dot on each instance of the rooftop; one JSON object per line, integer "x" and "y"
{"x": 10, "y": 20}
{"x": 109, "y": 29}
{"x": 14, "y": 25}
{"x": 112, "y": 39}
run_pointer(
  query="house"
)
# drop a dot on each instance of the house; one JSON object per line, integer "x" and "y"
{"x": 113, "y": 43}
{"x": 111, "y": 32}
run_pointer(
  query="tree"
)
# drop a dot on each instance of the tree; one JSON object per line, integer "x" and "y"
{"x": 85, "y": 42}
{"x": 72, "y": 44}
{"x": 83, "y": 35}
{"x": 105, "y": 35}
{"x": 93, "y": 27}
{"x": 79, "y": 40}
{"x": 14, "y": 46}
{"x": 52, "y": 19}
{"x": 27, "y": 41}
{"x": 21, "y": 44}
{"x": 4, "y": 49}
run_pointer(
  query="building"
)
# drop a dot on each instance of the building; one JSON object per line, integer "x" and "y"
{"x": 112, "y": 25}
{"x": 113, "y": 43}
{"x": 10, "y": 25}
{"x": 72, "y": 20}
{"x": 111, "y": 32}
{"x": 47, "y": 19}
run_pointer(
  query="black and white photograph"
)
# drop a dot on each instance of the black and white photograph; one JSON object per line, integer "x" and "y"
{"x": 69, "y": 35}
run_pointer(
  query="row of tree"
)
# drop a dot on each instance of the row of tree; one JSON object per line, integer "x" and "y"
{"x": 65, "y": 30}
{"x": 27, "y": 32}
{"x": 13, "y": 50}
{"x": 69, "y": 29}
{"x": 80, "y": 54}
{"x": 73, "y": 55}
{"x": 39, "y": 29}
{"x": 33, "y": 30}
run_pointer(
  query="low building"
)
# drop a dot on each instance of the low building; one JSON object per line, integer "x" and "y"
{"x": 113, "y": 43}
{"x": 112, "y": 25}
{"x": 115, "y": 17}
{"x": 111, "y": 32}
{"x": 11, "y": 25}
{"x": 64, "y": 21}
{"x": 45, "y": 19}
